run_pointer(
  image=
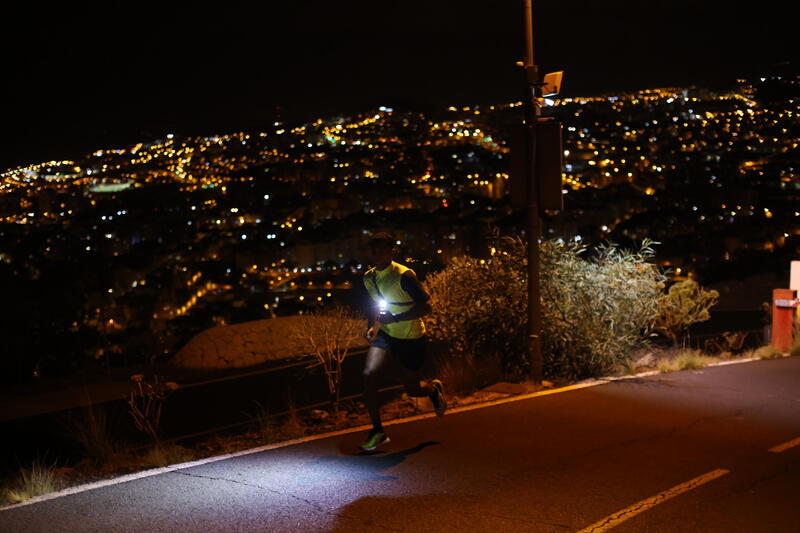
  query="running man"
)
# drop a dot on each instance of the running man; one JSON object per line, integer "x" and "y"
{"x": 395, "y": 329}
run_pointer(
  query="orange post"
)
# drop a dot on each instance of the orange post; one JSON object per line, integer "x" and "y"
{"x": 783, "y": 311}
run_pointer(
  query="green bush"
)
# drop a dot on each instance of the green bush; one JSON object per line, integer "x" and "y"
{"x": 479, "y": 306}
{"x": 683, "y": 305}
{"x": 595, "y": 311}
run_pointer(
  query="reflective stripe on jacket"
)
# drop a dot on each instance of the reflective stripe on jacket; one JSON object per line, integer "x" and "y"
{"x": 385, "y": 285}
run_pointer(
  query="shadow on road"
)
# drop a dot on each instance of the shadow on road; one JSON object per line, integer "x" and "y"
{"x": 363, "y": 466}
{"x": 439, "y": 512}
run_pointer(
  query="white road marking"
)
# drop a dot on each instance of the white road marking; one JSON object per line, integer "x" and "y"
{"x": 629, "y": 512}
{"x": 785, "y": 446}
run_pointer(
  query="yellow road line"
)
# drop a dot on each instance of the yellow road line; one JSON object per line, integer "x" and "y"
{"x": 629, "y": 512}
{"x": 785, "y": 446}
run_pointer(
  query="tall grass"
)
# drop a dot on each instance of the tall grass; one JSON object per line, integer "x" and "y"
{"x": 795, "y": 348}
{"x": 92, "y": 430}
{"x": 166, "y": 454}
{"x": 293, "y": 426}
{"x": 40, "y": 478}
{"x": 467, "y": 373}
{"x": 265, "y": 424}
{"x": 768, "y": 352}
{"x": 686, "y": 360}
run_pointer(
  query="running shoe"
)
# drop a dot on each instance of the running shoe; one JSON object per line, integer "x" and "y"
{"x": 437, "y": 398}
{"x": 374, "y": 439}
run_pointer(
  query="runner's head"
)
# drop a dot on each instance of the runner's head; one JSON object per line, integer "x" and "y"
{"x": 382, "y": 248}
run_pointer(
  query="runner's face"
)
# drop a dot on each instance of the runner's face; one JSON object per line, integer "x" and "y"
{"x": 381, "y": 254}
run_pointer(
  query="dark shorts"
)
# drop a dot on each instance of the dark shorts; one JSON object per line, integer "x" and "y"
{"x": 410, "y": 352}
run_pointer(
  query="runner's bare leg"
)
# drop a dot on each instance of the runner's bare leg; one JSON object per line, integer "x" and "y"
{"x": 376, "y": 360}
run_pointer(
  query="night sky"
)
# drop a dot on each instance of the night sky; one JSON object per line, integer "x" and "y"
{"x": 79, "y": 78}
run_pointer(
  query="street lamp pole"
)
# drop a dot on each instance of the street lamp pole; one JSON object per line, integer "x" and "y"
{"x": 532, "y": 112}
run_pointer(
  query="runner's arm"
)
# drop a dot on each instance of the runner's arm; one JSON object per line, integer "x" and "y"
{"x": 414, "y": 288}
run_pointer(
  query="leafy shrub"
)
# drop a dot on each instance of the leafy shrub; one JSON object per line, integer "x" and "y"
{"x": 479, "y": 306}
{"x": 595, "y": 311}
{"x": 683, "y": 305}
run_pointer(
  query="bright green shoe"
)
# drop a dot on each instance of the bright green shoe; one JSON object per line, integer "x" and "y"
{"x": 437, "y": 398}
{"x": 374, "y": 439}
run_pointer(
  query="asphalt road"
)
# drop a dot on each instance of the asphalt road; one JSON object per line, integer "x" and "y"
{"x": 687, "y": 452}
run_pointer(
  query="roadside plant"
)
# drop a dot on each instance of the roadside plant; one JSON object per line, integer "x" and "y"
{"x": 794, "y": 349}
{"x": 145, "y": 403}
{"x": 328, "y": 335}
{"x": 264, "y": 423}
{"x": 40, "y": 478}
{"x": 685, "y": 360}
{"x": 729, "y": 342}
{"x": 768, "y": 352}
{"x": 479, "y": 305}
{"x": 164, "y": 455}
{"x": 293, "y": 426}
{"x": 92, "y": 430}
{"x": 685, "y": 303}
{"x": 597, "y": 307}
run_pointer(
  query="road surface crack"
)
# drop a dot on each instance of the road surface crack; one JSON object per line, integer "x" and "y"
{"x": 767, "y": 478}
{"x": 330, "y": 512}
{"x": 257, "y": 486}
